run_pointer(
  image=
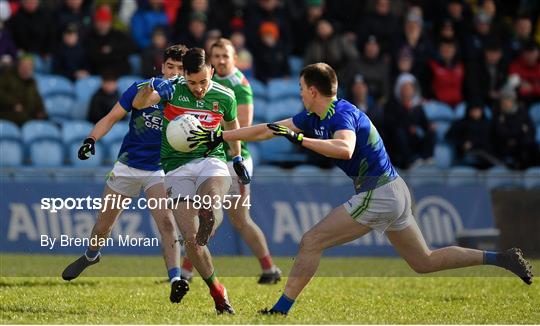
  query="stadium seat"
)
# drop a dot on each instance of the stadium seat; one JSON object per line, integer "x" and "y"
{"x": 441, "y": 127}
{"x": 279, "y": 150}
{"x": 117, "y": 132}
{"x": 534, "y": 112}
{"x": 125, "y": 82}
{"x": 41, "y": 66}
{"x": 259, "y": 109}
{"x": 259, "y": 89}
{"x": 283, "y": 88}
{"x": 53, "y": 85}
{"x": 75, "y": 131}
{"x": 426, "y": 175}
{"x": 295, "y": 65}
{"x": 135, "y": 63}
{"x": 459, "y": 111}
{"x": 463, "y": 176}
{"x": 12, "y": 153}
{"x": 94, "y": 160}
{"x": 39, "y": 129}
{"x": 278, "y": 109}
{"x": 443, "y": 155}
{"x": 531, "y": 178}
{"x": 59, "y": 107}
{"x": 46, "y": 153}
{"x": 84, "y": 90}
{"x": 438, "y": 111}
{"x": 9, "y": 130}
{"x": 255, "y": 154}
{"x": 501, "y": 177}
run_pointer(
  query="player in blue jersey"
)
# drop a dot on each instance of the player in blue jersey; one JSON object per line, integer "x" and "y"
{"x": 337, "y": 129}
{"x": 138, "y": 166}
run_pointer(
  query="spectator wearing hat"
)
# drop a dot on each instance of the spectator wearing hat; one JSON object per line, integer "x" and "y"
{"x": 263, "y": 11}
{"x": 107, "y": 48}
{"x": 104, "y": 98}
{"x": 483, "y": 32}
{"x": 484, "y": 78}
{"x": 152, "y": 56}
{"x": 527, "y": 67}
{"x": 514, "y": 132}
{"x": 145, "y": 20}
{"x": 69, "y": 58}
{"x": 73, "y": 12}
{"x": 408, "y": 134}
{"x": 20, "y": 100}
{"x": 446, "y": 75}
{"x": 32, "y": 28}
{"x": 472, "y": 138}
{"x": 331, "y": 48}
{"x": 195, "y": 36}
{"x": 270, "y": 54}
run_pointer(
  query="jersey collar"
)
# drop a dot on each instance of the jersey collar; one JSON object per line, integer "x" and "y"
{"x": 218, "y": 77}
{"x": 330, "y": 110}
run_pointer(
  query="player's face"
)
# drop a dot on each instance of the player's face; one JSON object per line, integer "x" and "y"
{"x": 307, "y": 94}
{"x": 171, "y": 68}
{"x": 223, "y": 60}
{"x": 198, "y": 82}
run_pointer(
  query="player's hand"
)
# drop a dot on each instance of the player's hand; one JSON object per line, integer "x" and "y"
{"x": 209, "y": 138}
{"x": 87, "y": 149}
{"x": 163, "y": 87}
{"x": 240, "y": 169}
{"x": 280, "y": 130}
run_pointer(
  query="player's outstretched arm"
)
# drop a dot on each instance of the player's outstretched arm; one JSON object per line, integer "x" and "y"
{"x": 257, "y": 133}
{"x": 340, "y": 147}
{"x": 233, "y": 144}
{"x": 155, "y": 90}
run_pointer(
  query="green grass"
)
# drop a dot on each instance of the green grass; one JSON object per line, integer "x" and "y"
{"x": 347, "y": 291}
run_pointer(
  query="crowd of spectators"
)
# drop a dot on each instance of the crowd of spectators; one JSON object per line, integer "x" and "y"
{"x": 390, "y": 56}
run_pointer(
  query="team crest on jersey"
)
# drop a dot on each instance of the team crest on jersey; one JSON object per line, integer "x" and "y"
{"x": 215, "y": 106}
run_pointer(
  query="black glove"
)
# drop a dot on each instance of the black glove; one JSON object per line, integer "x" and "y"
{"x": 280, "y": 130}
{"x": 209, "y": 138}
{"x": 87, "y": 149}
{"x": 241, "y": 170}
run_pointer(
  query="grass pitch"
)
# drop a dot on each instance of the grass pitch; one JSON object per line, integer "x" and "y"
{"x": 347, "y": 291}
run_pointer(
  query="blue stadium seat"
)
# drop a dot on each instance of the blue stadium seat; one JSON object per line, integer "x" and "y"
{"x": 84, "y": 90}
{"x": 94, "y": 160}
{"x": 443, "y": 155}
{"x": 125, "y": 82}
{"x": 531, "y": 178}
{"x": 12, "y": 153}
{"x": 287, "y": 107}
{"x": 501, "y": 177}
{"x": 41, "y": 66}
{"x": 39, "y": 129}
{"x": 255, "y": 154}
{"x": 117, "y": 132}
{"x": 259, "y": 89}
{"x": 441, "y": 127}
{"x": 259, "y": 109}
{"x": 75, "y": 131}
{"x": 463, "y": 176}
{"x": 534, "y": 112}
{"x": 59, "y": 107}
{"x": 46, "y": 153}
{"x": 54, "y": 84}
{"x": 295, "y": 65}
{"x": 438, "y": 111}
{"x": 459, "y": 111}
{"x": 9, "y": 130}
{"x": 426, "y": 175}
{"x": 283, "y": 88}
{"x": 279, "y": 150}
{"x": 135, "y": 63}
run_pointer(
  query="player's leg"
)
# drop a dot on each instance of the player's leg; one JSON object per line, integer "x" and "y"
{"x": 336, "y": 228}
{"x": 169, "y": 240}
{"x": 101, "y": 231}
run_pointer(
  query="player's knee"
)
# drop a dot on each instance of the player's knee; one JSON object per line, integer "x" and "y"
{"x": 240, "y": 221}
{"x": 166, "y": 225}
{"x": 310, "y": 242}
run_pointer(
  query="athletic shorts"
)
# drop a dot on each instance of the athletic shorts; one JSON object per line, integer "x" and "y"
{"x": 235, "y": 187}
{"x": 186, "y": 179}
{"x": 128, "y": 181}
{"x": 386, "y": 208}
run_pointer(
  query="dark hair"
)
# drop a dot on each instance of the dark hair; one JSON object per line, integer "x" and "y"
{"x": 322, "y": 77}
{"x": 448, "y": 41}
{"x": 195, "y": 60}
{"x": 175, "y": 52}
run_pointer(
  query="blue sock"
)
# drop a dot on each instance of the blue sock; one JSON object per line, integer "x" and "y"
{"x": 284, "y": 304}
{"x": 174, "y": 274}
{"x": 91, "y": 254}
{"x": 492, "y": 258}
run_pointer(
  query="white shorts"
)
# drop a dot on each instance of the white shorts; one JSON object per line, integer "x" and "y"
{"x": 128, "y": 181}
{"x": 386, "y": 208}
{"x": 186, "y": 179}
{"x": 235, "y": 187}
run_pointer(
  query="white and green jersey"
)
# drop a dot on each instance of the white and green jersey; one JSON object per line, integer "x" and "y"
{"x": 218, "y": 104}
{"x": 244, "y": 95}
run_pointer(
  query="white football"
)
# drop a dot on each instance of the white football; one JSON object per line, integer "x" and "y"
{"x": 178, "y": 132}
